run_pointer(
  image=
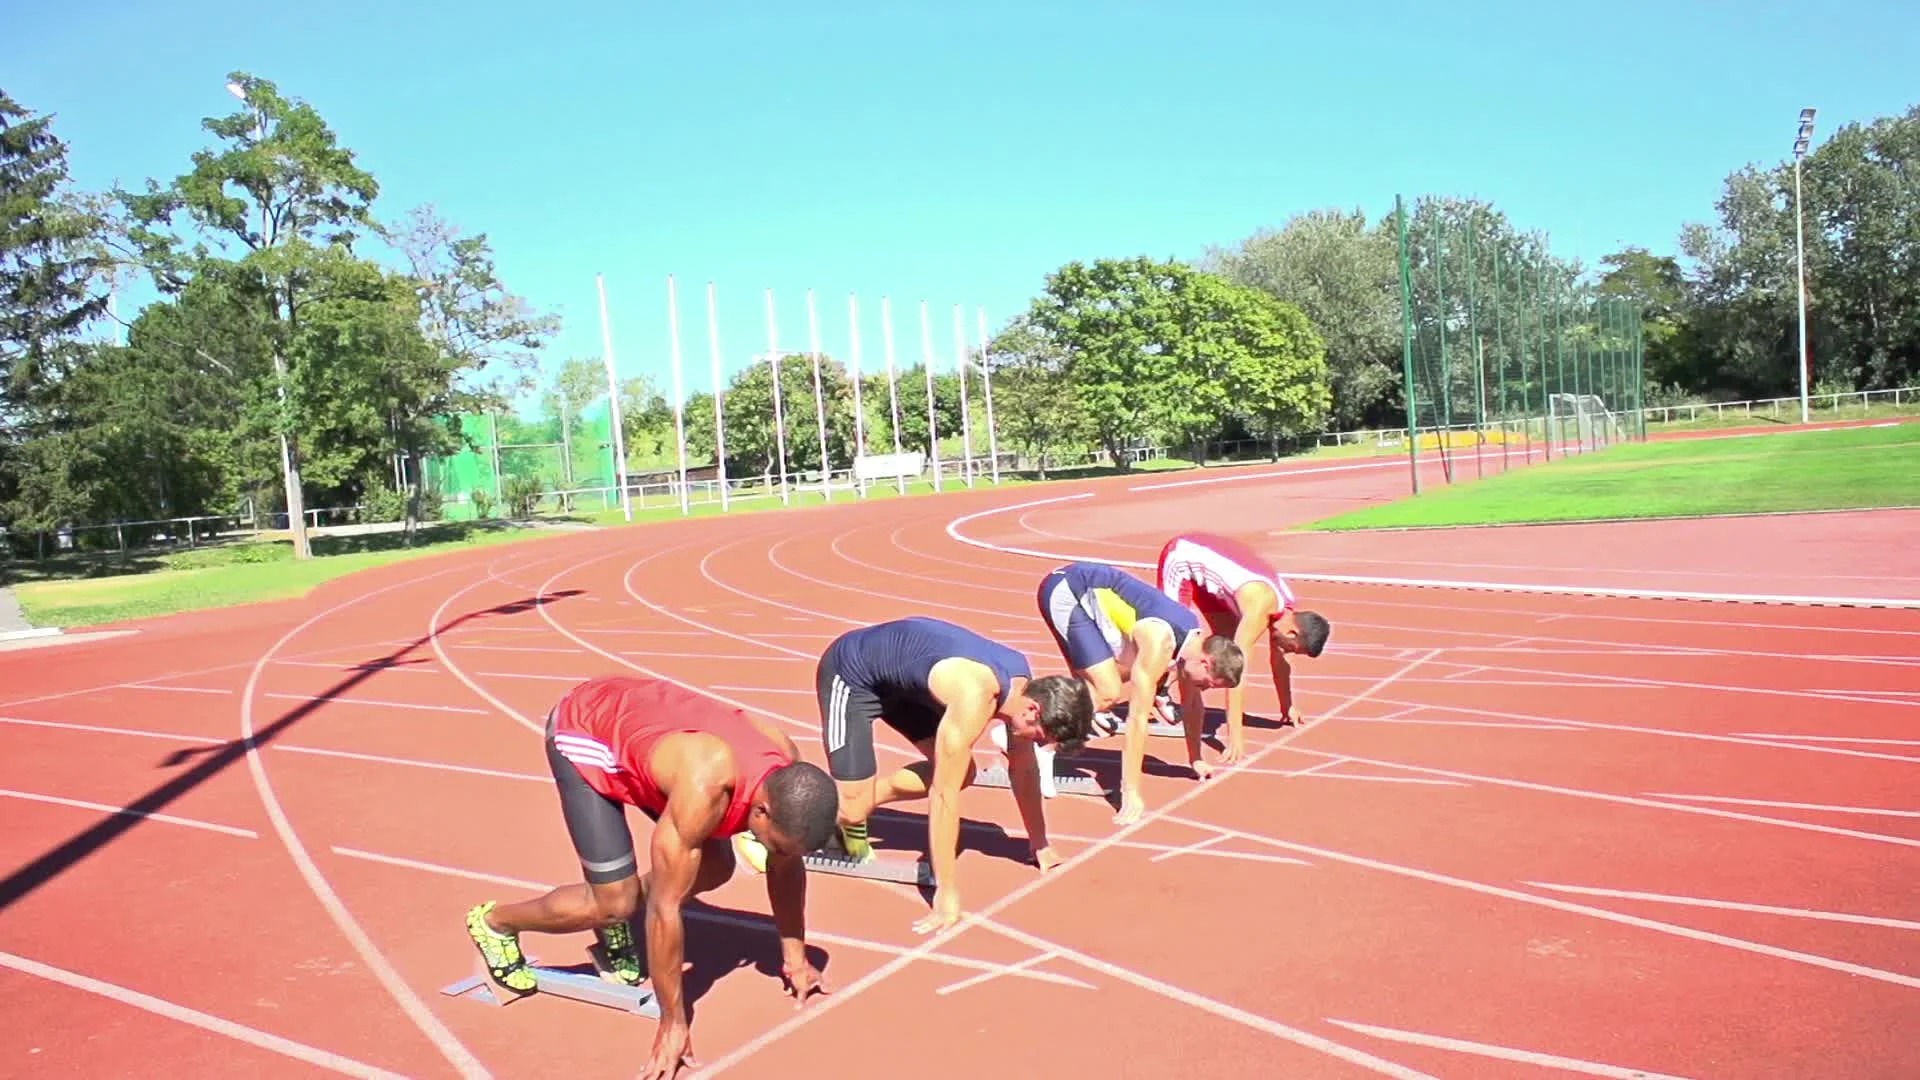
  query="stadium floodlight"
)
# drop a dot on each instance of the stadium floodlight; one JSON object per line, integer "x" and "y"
{"x": 1800, "y": 255}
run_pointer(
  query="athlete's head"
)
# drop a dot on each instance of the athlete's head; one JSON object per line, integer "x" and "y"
{"x": 1054, "y": 710}
{"x": 1218, "y": 665}
{"x": 1305, "y": 633}
{"x": 796, "y": 809}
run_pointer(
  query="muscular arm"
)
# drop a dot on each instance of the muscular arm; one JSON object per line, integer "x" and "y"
{"x": 786, "y": 874}
{"x": 1023, "y": 773}
{"x": 697, "y": 799}
{"x": 969, "y": 692}
{"x": 1153, "y": 653}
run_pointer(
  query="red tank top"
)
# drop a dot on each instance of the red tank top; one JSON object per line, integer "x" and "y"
{"x": 608, "y": 728}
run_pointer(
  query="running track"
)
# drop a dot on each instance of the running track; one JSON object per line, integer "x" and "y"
{"x": 1526, "y": 834}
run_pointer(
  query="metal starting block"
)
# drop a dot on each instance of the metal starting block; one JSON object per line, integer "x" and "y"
{"x": 1071, "y": 783}
{"x": 572, "y": 985}
{"x": 878, "y": 868}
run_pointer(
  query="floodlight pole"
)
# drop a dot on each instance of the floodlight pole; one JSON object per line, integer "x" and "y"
{"x": 1800, "y": 258}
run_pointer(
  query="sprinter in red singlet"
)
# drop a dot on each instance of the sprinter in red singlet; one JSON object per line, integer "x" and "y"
{"x": 1241, "y": 596}
{"x": 703, "y": 772}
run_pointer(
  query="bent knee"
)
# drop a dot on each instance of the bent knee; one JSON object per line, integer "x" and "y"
{"x": 616, "y": 901}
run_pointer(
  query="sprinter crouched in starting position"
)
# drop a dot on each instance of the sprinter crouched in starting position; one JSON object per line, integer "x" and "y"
{"x": 702, "y": 772}
{"x": 1122, "y": 635}
{"x": 1240, "y": 594}
{"x": 940, "y": 685}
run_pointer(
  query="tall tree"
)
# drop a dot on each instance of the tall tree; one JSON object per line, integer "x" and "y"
{"x": 50, "y": 268}
{"x": 279, "y": 196}
{"x": 1115, "y": 320}
{"x": 1035, "y": 403}
{"x": 1344, "y": 276}
{"x": 51, "y": 283}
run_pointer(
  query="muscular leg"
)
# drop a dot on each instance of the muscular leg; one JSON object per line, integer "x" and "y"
{"x": 1106, "y": 682}
{"x": 916, "y": 780}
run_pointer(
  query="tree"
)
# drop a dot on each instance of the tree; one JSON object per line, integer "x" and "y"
{"x": 300, "y": 200}
{"x": 50, "y": 285}
{"x": 1115, "y": 322}
{"x": 1277, "y": 366}
{"x": 50, "y": 269}
{"x": 1344, "y": 276}
{"x": 1035, "y": 404}
{"x": 484, "y": 339}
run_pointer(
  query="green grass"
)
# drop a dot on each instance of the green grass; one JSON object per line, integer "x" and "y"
{"x": 1849, "y": 468}
{"x": 226, "y": 575}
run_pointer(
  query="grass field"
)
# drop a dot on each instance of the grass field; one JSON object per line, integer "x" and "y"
{"x": 1849, "y": 468}
{"x": 238, "y": 573}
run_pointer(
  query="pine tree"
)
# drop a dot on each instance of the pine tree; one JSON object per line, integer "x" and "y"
{"x": 50, "y": 271}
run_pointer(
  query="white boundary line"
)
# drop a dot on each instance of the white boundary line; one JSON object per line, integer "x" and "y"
{"x": 160, "y": 1007}
{"x": 1268, "y": 474}
{"x": 1207, "y": 1004}
{"x": 145, "y": 815}
{"x": 377, "y": 963}
{"x": 1894, "y": 977}
{"x": 953, "y": 530}
{"x": 1503, "y": 1053}
{"x": 1731, "y": 905}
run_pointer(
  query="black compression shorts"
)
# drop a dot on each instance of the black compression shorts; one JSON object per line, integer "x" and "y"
{"x": 847, "y": 712}
{"x": 596, "y": 824}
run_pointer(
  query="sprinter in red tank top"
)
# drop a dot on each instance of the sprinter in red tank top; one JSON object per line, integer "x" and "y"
{"x": 703, "y": 772}
{"x": 1241, "y": 596}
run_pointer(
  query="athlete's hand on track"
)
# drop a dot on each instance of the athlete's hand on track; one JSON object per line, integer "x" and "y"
{"x": 1132, "y": 805}
{"x": 1202, "y": 768}
{"x": 672, "y": 1051}
{"x": 946, "y": 911}
{"x": 1046, "y": 859}
{"x": 1236, "y": 749}
{"x": 803, "y": 979}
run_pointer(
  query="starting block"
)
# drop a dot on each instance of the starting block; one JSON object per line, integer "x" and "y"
{"x": 573, "y": 985}
{"x": 899, "y": 871}
{"x": 1072, "y": 783}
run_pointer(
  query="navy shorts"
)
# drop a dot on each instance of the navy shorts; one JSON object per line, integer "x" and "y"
{"x": 1081, "y": 628}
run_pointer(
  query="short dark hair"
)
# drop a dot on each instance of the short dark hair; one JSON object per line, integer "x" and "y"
{"x": 804, "y": 803}
{"x": 1314, "y": 629}
{"x": 1066, "y": 710}
{"x": 1224, "y": 654}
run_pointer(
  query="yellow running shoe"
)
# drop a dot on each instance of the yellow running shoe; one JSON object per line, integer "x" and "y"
{"x": 751, "y": 851}
{"x": 501, "y": 952}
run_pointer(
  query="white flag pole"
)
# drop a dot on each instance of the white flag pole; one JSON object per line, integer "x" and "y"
{"x": 859, "y": 407}
{"x": 986, "y": 376}
{"x": 779, "y": 415}
{"x": 679, "y": 423}
{"x": 933, "y": 426}
{"x": 966, "y": 422}
{"x": 893, "y": 395}
{"x": 819, "y": 400}
{"x": 719, "y": 395}
{"x": 613, "y": 400}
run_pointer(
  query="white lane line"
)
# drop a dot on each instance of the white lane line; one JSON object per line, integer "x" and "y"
{"x": 109, "y": 808}
{"x": 1504, "y": 1053}
{"x": 1733, "y": 905}
{"x": 160, "y": 1007}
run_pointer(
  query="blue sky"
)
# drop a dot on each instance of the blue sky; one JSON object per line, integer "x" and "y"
{"x": 958, "y": 153}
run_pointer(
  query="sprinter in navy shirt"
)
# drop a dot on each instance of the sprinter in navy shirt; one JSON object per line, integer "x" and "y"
{"x": 939, "y": 686}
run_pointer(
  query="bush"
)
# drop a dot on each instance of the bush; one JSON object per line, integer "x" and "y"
{"x": 523, "y": 495}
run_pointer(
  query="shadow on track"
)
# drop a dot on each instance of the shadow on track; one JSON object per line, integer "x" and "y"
{"x": 22, "y": 882}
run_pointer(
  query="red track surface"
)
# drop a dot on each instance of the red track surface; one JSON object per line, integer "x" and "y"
{"x": 1639, "y": 834}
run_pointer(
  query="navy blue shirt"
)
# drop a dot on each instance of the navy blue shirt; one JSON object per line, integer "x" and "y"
{"x": 1146, "y": 601}
{"x": 893, "y": 660}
